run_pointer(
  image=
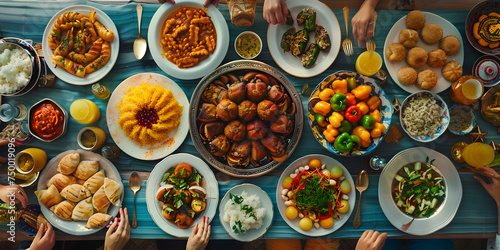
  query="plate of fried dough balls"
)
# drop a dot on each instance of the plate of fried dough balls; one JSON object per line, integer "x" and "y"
{"x": 424, "y": 51}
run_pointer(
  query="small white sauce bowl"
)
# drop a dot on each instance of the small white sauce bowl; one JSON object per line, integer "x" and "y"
{"x": 239, "y": 37}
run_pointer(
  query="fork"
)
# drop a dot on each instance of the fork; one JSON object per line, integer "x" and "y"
{"x": 370, "y": 42}
{"x": 347, "y": 44}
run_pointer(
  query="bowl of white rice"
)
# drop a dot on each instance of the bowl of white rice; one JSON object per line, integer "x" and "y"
{"x": 19, "y": 67}
{"x": 424, "y": 116}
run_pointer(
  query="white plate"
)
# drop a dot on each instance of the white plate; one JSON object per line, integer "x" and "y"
{"x": 154, "y": 206}
{"x": 329, "y": 162}
{"x": 292, "y": 64}
{"x": 448, "y": 30}
{"x": 77, "y": 227}
{"x": 92, "y": 77}
{"x": 147, "y": 151}
{"x": 265, "y": 202}
{"x": 204, "y": 67}
{"x": 447, "y": 210}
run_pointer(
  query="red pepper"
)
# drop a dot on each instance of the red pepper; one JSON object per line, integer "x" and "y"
{"x": 329, "y": 213}
{"x": 353, "y": 113}
{"x": 351, "y": 99}
{"x": 418, "y": 182}
{"x": 296, "y": 180}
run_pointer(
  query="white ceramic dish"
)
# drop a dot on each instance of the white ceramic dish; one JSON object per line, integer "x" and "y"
{"x": 393, "y": 67}
{"x": 147, "y": 151}
{"x": 444, "y": 214}
{"x": 239, "y": 37}
{"x": 329, "y": 162}
{"x": 92, "y": 77}
{"x": 77, "y": 227}
{"x": 154, "y": 206}
{"x": 204, "y": 67}
{"x": 292, "y": 64}
{"x": 265, "y": 202}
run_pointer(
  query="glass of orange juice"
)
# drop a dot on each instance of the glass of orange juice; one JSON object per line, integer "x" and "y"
{"x": 84, "y": 111}
{"x": 478, "y": 154}
{"x": 466, "y": 90}
{"x": 368, "y": 63}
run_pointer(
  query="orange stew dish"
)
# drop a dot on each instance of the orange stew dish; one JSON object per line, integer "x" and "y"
{"x": 47, "y": 121}
{"x": 188, "y": 37}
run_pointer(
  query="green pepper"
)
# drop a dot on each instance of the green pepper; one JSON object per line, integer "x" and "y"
{"x": 287, "y": 39}
{"x": 320, "y": 120}
{"x": 311, "y": 22}
{"x": 351, "y": 83}
{"x": 356, "y": 141}
{"x": 368, "y": 122}
{"x": 322, "y": 38}
{"x": 289, "y": 19}
{"x": 307, "y": 16}
{"x": 338, "y": 102}
{"x": 310, "y": 56}
{"x": 343, "y": 143}
{"x": 299, "y": 43}
{"x": 345, "y": 126}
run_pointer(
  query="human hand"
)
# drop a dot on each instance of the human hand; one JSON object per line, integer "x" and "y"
{"x": 206, "y": 3}
{"x": 493, "y": 188}
{"x": 118, "y": 233}
{"x": 45, "y": 238}
{"x": 275, "y": 11}
{"x": 371, "y": 240}
{"x": 360, "y": 22}
{"x": 8, "y": 191}
{"x": 169, "y": 1}
{"x": 200, "y": 235}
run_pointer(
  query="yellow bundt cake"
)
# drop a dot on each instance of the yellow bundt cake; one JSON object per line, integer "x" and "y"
{"x": 148, "y": 113}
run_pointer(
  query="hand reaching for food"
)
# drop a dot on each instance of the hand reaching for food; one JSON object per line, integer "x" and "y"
{"x": 19, "y": 194}
{"x": 275, "y": 11}
{"x": 361, "y": 20}
{"x": 165, "y": 1}
{"x": 118, "y": 233}
{"x": 45, "y": 238}
{"x": 206, "y": 3}
{"x": 199, "y": 236}
{"x": 371, "y": 240}
{"x": 493, "y": 188}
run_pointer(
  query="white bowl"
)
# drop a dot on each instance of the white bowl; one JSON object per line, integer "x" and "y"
{"x": 238, "y": 38}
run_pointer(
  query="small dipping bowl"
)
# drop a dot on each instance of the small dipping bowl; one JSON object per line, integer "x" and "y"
{"x": 91, "y": 138}
{"x": 462, "y": 119}
{"x": 30, "y": 160}
{"x": 62, "y": 124}
{"x": 487, "y": 70}
{"x": 248, "y": 45}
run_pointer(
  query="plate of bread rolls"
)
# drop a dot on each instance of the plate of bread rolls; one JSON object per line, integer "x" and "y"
{"x": 424, "y": 51}
{"x": 79, "y": 192}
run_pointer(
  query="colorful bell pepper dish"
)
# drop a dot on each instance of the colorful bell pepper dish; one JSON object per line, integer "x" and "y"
{"x": 338, "y": 102}
{"x": 376, "y": 115}
{"x": 351, "y": 99}
{"x": 353, "y": 114}
{"x": 336, "y": 119}
{"x": 330, "y": 133}
{"x": 351, "y": 83}
{"x": 322, "y": 108}
{"x": 362, "y": 91}
{"x": 326, "y": 94}
{"x": 345, "y": 126}
{"x": 339, "y": 86}
{"x": 320, "y": 120}
{"x": 363, "y": 107}
{"x": 343, "y": 143}
{"x": 373, "y": 102}
{"x": 367, "y": 122}
{"x": 378, "y": 130}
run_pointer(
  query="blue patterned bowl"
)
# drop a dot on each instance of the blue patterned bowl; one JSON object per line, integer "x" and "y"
{"x": 445, "y": 120}
{"x": 483, "y": 8}
{"x": 385, "y": 111}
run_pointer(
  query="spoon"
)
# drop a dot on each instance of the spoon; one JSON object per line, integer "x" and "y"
{"x": 407, "y": 225}
{"x": 135, "y": 185}
{"x": 361, "y": 185}
{"x": 140, "y": 44}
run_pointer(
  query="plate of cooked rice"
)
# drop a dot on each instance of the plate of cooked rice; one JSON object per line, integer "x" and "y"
{"x": 424, "y": 116}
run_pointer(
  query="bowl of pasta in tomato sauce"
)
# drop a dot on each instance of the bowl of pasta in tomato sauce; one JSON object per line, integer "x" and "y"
{"x": 47, "y": 120}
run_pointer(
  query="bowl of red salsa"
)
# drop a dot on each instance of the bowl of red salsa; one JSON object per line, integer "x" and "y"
{"x": 47, "y": 120}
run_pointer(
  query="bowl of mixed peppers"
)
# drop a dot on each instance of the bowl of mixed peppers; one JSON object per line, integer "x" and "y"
{"x": 349, "y": 113}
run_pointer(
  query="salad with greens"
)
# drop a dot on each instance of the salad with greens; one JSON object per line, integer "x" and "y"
{"x": 419, "y": 189}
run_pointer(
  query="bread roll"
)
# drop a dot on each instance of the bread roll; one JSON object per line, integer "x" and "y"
{"x": 426, "y": 79}
{"x": 431, "y": 33}
{"x": 49, "y": 197}
{"x": 408, "y": 38}
{"x": 95, "y": 181}
{"x": 61, "y": 181}
{"x": 407, "y": 75}
{"x": 417, "y": 57}
{"x": 415, "y": 19}
{"x": 113, "y": 191}
{"x": 75, "y": 193}
{"x": 64, "y": 209}
{"x": 86, "y": 169}
{"x": 97, "y": 220}
{"x": 395, "y": 52}
{"x": 437, "y": 58}
{"x": 452, "y": 71}
{"x": 83, "y": 210}
{"x": 40, "y": 219}
{"x": 68, "y": 163}
{"x": 450, "y": 45}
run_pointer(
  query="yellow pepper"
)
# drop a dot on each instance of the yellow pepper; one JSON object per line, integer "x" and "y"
{"x": 363, "y": 107}
{"x": 363, "y": 134}
{"x": 362, "y": 91}
{"x": 365, "y": 144}
{"x": 373, "y": 102}
{"x": 376, "y": 115}
{"x": 340, "y": 86}
{"x": 322, "y": 107}
{"x": 378, "y": 130}
{"x": 335, "y": 119}
{"x": 330, "y": 133}
{"x": 326, "y": 94}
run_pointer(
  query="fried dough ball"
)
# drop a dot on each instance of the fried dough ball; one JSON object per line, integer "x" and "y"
{"x": 417, "y": 57}
{"x": 427, "y": 79}
{"x": 415, "y": 20}
{"x": 437, "y": 58}
{"x": 450, "y": 45}
{"x": 408, "y": 38}
{"x": 452, "y": 71}
{"x": 407, "y": 75}
{"x": 431, "y": 33}
{"x": 395, "y": 52}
